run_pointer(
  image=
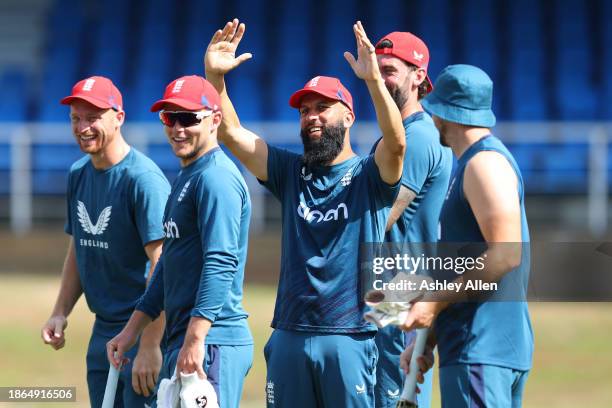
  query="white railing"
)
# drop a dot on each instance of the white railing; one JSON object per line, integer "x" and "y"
{"x": 22, "y": 137}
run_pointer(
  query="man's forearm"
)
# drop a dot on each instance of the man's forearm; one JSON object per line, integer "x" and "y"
{"x": 153, "y": 332}
{"x": 388, "y": 116}
{"x": 70, "y": 287}
{"x": 197, "y": 330}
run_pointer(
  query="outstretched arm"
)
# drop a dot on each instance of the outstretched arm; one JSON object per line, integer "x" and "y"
{"x": 389, "y": 153}
{"x": 220, "y": 58}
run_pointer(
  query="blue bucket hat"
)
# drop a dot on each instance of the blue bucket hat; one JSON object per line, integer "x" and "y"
{"x": 462, "y": 94}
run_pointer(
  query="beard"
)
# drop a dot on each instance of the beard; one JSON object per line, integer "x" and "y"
{"x": 399, "y": 96}
{"x": 324, "y": 150}
{"x": 443, "y": 134}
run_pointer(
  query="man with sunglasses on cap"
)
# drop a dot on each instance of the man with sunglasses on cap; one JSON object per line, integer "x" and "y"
{"x": 198, "y": 280}
{"x": 115, "y": 200}
{"x": 403, "y": 59}
{"x": 322, "y": 351}
{"x": 485, "y": 344}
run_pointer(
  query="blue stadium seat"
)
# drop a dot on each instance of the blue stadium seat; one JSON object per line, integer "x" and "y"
{"x": 63, "y": 52}
{"x": 151, "y": 72}
{"x": 49, "y": 182}
{"x": 201, "y": 21}
{"x": 15, "y": 91}
{"x": 573, "y": 71}
{"x": 292, "y": 65}
{"x": 525, "y": 60}
{"x": 55, "y": 156}
{"x": 437, "y": 36}
{"x": 111, "y": 41}
{"x": 605, "y": 105}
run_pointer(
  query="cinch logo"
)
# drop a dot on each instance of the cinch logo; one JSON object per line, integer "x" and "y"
{"x": 171, "y": 229}
{"x": 317, "y": 216}
{"x": 89, "y": 83}
{"x": 314, "y": 81}
{"x": 361, "y": 389}
{"x": 94, "y": 229}
{"x": 393, "y": 394}
{"x": 417, "y": 56}
{"x": 178, "y": 85}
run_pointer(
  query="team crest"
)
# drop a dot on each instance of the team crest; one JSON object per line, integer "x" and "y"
{"x": 101, "y": 224}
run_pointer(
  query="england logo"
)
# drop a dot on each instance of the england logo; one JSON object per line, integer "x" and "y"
{"x": 94, "y": 229}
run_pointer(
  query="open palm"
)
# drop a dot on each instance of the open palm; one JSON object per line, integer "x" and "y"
{"x": 220, "y": 57}
{"x": 366, "y": 66}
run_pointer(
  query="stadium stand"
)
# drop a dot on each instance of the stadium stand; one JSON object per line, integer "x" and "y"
{"x": 550, "y": 63}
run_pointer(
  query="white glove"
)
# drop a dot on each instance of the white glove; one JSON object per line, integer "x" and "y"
{"x": 197, "y": 393}
{"x": 168, "y": 393}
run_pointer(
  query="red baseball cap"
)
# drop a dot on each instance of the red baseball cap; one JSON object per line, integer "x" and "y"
{"x": 407, "y": 47}
{"x": 191, "y": 93}
{"x": 328, "y": 87}
{"x": 97, "y": 90}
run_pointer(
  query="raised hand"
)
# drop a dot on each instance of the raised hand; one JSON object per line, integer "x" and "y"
{"x": 220, "y": 57}
{"x": 366, "y": 66}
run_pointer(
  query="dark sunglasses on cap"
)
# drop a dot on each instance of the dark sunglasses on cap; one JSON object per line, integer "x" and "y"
{"x": 185, "y": 118}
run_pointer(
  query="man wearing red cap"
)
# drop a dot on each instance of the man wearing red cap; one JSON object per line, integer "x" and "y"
{"x": 322, "y": 351}
{"x": 403, "y": 59}
{"x": 115, "y": 202}
{"x": 198, "y": 280}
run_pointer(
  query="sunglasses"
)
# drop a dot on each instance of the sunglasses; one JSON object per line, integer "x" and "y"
{"x": 185, "y": 118}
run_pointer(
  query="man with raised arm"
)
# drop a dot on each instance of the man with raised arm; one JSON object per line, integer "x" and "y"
{"x": 322, "y": 352}
{"x": 403, "y": 59}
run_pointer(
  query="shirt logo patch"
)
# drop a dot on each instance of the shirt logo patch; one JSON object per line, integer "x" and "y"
{"x": 171, "y": 229}
{"x": 183, "y": 191}
{"x": 393, "y": 394}
{"x": 317, "y": 216}
{"x": 94, "y": 229}
{"x": 417, "y": 56}
{"x": 304, "y": 176}
{"x": 346, "y": 179}
{"x": 361, "y": 389}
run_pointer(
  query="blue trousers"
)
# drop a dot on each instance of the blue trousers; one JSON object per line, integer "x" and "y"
{"x": 98, "y": 365}
{"x": 481, "y": 386}
{"x": 313, "y": 370}
{"x": 390, "y": 342}
{"x": 225, "y": 366}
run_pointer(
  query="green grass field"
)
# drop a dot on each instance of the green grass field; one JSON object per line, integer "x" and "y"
{"x": 571, "y": 365}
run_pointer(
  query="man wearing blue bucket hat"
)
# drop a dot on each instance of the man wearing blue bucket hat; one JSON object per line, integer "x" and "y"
{"x": 485, "y": 345}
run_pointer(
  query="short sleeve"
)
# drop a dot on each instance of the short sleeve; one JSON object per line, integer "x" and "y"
{"x": 280, "y": 165}
{"x": 150, "y": 194}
